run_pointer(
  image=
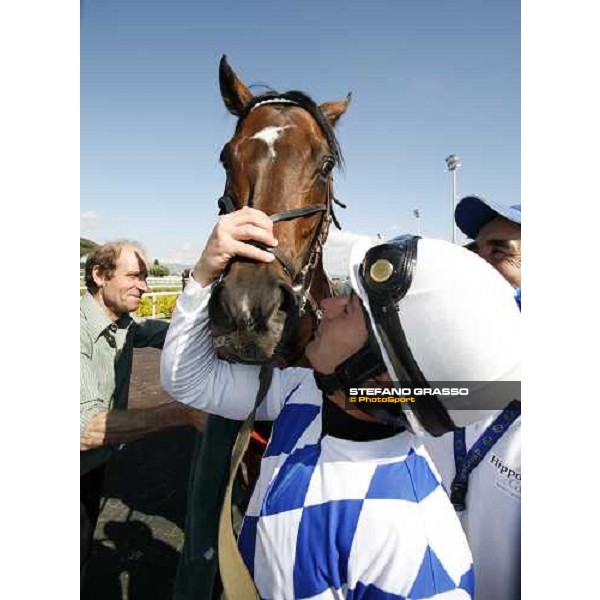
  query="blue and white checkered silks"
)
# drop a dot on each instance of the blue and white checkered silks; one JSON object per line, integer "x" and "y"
{"x": 331, "y": 518}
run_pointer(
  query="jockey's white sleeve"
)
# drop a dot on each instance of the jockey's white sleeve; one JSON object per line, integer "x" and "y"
{"x": 193, "y": 375}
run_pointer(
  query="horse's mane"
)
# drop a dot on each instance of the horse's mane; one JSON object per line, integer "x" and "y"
{"x": 308, "y": 104}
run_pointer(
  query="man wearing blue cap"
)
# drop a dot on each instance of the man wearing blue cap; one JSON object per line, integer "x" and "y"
{"x": 480, "y": 465}
{"x": 496, "y": 229}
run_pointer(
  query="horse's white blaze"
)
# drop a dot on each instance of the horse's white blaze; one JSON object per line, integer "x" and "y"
{"x": 246, "y": 304}
{"x": 269, "y": 135}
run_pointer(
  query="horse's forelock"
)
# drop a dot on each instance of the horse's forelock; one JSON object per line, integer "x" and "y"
{"x": 307, "y": 103}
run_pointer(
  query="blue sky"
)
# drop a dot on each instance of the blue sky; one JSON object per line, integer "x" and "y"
{"x": 429, "y": 78}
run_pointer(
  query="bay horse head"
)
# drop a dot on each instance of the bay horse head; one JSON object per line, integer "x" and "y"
{"x": 280, "y": 161}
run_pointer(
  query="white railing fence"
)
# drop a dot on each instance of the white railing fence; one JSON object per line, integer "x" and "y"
{"x": 170, "y": 281}
{"x": 154, "y": 295}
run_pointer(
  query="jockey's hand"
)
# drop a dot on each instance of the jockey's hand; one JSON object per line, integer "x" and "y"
{"x": 227, "y": 240}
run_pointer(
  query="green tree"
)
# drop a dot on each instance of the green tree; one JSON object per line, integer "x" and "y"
{"x": 158, "y": 270}
{"x": 86, "y": 246}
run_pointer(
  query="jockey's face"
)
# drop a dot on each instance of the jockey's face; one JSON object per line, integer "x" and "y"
{"x": 341, "y": 333}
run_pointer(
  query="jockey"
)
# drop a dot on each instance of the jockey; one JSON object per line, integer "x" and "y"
{"x": 348, "y": 502}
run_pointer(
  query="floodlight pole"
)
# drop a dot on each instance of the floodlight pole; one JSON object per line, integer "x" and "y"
{"x": 453, "y": 163}
{"x": 417, "y": 214}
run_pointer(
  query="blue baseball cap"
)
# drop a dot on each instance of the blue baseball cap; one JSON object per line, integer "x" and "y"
{"x": 473, "y": 212}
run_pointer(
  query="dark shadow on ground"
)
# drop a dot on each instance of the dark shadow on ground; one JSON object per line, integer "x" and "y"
{"x": 140, "y": 530}
{"x": 130, "y": 563}
{"x": 151, "y": 475}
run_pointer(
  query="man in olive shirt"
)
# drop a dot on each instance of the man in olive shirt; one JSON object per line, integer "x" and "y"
{"x": 115, "y": 277}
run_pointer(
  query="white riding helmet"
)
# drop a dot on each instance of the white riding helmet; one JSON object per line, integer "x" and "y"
{"x": 440, "y": 314}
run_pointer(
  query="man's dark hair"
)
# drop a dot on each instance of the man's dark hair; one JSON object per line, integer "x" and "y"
{"x": 105, "y": 257}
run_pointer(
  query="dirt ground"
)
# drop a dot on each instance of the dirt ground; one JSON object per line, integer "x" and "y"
{"x": 140, "y": 530}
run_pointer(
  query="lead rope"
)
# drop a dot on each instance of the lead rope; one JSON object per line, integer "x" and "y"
{"x": 237, "y": 581}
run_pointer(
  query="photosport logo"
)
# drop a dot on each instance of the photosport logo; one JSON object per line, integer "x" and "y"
{"x": 402, "y": 395}
{"x": 454, "y": 395}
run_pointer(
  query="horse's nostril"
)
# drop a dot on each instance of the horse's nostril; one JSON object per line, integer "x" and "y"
{"x": 220, "y": 310}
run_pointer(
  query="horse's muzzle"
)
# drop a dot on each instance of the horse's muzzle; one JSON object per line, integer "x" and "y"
{"x": 251, "y": 324}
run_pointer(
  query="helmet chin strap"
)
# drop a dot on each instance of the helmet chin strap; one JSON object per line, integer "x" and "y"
{"x": 362, "y": 366}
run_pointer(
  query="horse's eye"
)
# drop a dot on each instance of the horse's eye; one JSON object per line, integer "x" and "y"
{"x": 328, "y": 165}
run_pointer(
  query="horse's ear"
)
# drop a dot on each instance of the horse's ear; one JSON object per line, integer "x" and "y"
{"x": 334, "y": 110}
{"x": 234, "y": 92}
